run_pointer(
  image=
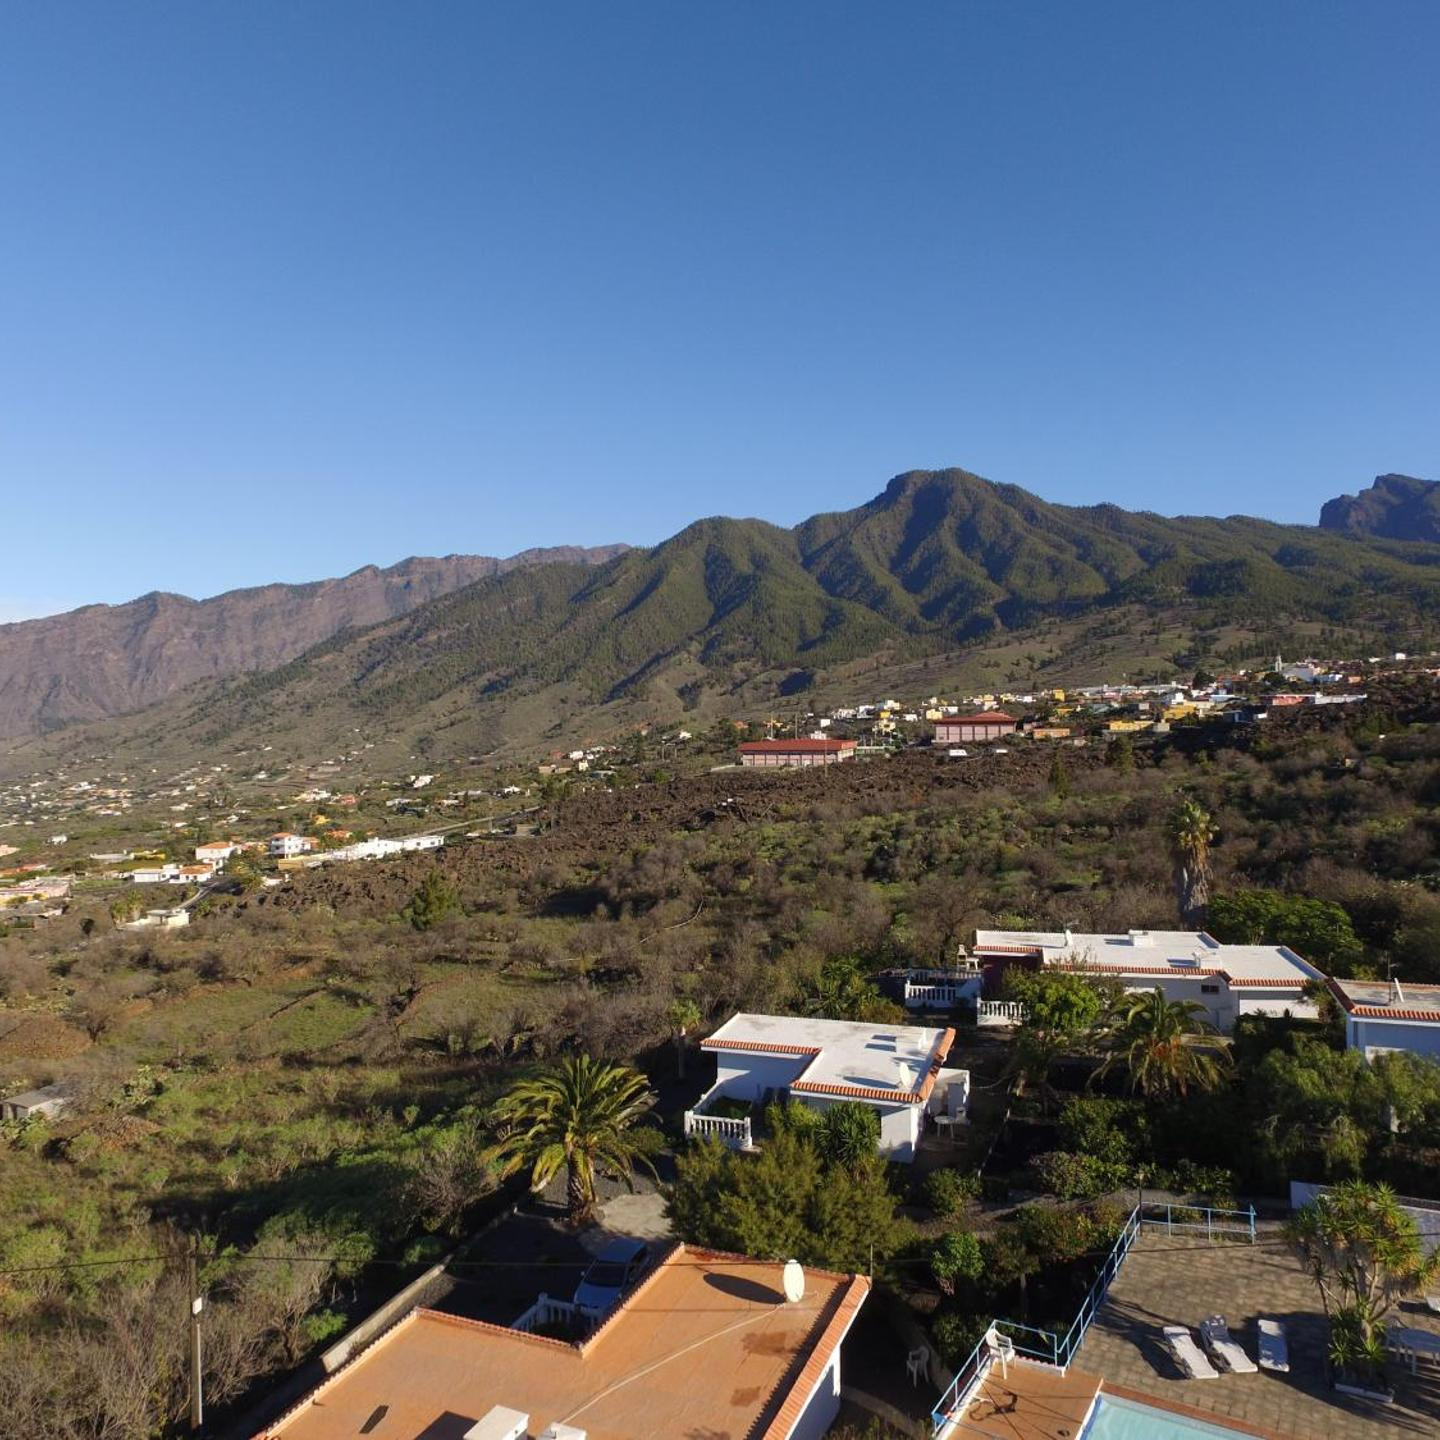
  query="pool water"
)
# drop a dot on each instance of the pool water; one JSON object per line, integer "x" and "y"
{"x": 1115, "y": 1419}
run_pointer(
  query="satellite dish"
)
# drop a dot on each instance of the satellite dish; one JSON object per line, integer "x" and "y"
{"x": 793, "y": 1280}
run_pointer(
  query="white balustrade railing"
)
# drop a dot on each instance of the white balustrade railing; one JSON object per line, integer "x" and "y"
{"x": 734, "y": 1133}
{"x": 938, "y": 995}
{"x": 547, "y": 1310}
{"x": 1000, "y": 1012}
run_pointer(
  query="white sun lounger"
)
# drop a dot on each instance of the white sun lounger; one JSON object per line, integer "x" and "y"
{"x": 1224, "y": 1347}
{"x": 1188, "y": 1355}
{"x": 1274, "y": 1349}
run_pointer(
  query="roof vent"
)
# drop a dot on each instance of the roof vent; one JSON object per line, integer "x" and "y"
{"x": 560, "y": 1431}
{"x": 501, "y": 1423}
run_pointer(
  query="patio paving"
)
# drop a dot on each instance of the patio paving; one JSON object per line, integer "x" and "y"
{"x": 1181, "y": 1280}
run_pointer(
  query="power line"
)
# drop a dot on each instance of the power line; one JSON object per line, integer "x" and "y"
{"x": 580, "y": 1261}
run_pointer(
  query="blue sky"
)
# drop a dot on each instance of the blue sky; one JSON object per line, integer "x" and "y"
{"x": 290, "y": 287}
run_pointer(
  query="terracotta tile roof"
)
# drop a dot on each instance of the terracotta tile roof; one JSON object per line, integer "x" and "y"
{"x": 814, "y": 1368}
{"x": 1363, "y": 1011}
{"x": 1275, "y": 984}
{"x": 760, "y": 1047}
{"x": 706, "y": 1344}
{"x": 984, "y": 717}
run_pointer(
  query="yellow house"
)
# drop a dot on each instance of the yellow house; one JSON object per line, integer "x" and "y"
{"x": 1127, "y": 727}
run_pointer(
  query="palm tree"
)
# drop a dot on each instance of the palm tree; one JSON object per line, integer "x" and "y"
{"x": 581, "y": 1114}
{"x": 1191, "y": 831}
{"x": 685, "y": 1016}
{"x": 1165, "y": 1045}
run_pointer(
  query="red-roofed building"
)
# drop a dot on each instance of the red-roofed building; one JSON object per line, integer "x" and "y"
{"x": 769, "y": 754}
{"x": 707, "y": 1344}
{"x": 973, "y": 729}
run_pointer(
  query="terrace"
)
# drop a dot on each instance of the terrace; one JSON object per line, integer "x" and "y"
{"x": 1169, "y": 1279}
{"x": 1173, "y": 1266}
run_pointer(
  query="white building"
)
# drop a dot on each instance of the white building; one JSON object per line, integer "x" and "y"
{"x": 162, "y": 919}
{"x": 897, "y": 1069}
{"x": 216, "y": 852}
{"x": 1381, "y": 1016}
{"x": 49, "y": 1101}
{"x": 1228, "y": 980}
{"x": 286, "y": 845}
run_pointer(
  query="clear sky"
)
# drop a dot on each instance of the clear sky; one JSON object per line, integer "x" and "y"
{"x": 289, "y": 287}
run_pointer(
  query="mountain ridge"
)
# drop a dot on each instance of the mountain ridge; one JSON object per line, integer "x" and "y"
{"x": 99, "y": 660}
{"x": 939, "y": 561}
{"x": 729, "y": 615}
{"x": 1395, "y": 507}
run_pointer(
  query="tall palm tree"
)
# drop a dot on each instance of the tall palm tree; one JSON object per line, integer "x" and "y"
{"x": 1191, "y": 831}
{"x": 581, "y": 1114}
{"x": 685, "y": 1016}
{"x": 1166, "y": 1047}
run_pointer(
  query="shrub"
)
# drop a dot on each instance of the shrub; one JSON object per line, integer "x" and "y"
{"x": 947, "y": 1192}
{"x": 995, "y": 1188}
{"x": 1115, "y": 1131}
{"x": 1076, "y": 1177}
{"x": 849, "y": 1133}
{"x": 956, "y": 1334}
{"x": 956, "y": 1256}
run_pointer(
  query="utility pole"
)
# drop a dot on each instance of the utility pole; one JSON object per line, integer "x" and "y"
{"x": 197, "y": 1304}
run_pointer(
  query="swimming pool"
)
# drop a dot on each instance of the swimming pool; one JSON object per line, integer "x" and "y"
{"x": 1116, "y": 1419}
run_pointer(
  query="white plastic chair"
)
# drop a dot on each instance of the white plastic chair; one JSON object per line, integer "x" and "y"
{"x": 917, "y": 1362}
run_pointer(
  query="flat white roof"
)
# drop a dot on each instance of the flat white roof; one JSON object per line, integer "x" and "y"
{"x": 1387, "y": 1000}
{"x": 1150, "y": 952}
{"x": 882, "y": 1061}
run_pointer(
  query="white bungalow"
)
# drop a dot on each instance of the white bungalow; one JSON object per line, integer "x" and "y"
{"x": 1228, "y": 980}
{"x": 897, "y": 1069}
{"x": 1382, "y": 1016}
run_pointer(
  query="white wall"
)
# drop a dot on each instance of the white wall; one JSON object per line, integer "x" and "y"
{"x": 1419, "y": 1039}
{"x": 748, "y": 1076}
{"x": 1219, "y": 1009}
{"x": 900, "y": 1131}
{"x": 823, "y": 1406}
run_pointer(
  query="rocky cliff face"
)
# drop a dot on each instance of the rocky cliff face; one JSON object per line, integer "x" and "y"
{"x": 105, "y": 660}
{"x": 1395, "y": 507}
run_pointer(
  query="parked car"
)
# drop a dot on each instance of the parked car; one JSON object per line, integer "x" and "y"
{"x": 612, "y": 1272}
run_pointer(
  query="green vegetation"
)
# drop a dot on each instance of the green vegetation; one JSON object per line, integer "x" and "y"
{"x": 1320, "y": 930}
{"x": 940, "y": 562}
{"x": 1191, "y": 834}
{"x": 1166, "y": 1047}
{"x": 304, "y": 1056}
{"x": 579, "y": 1117}
{"x": 434, "y": 901}
{"x": 791, "y": 1200}
{"x": 1364, "y": 1253}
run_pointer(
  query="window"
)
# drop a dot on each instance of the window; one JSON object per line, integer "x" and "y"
{"x": 1209, "y": 989}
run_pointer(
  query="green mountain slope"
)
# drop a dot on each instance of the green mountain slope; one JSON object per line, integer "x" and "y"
{"x": 730, "y": 612}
